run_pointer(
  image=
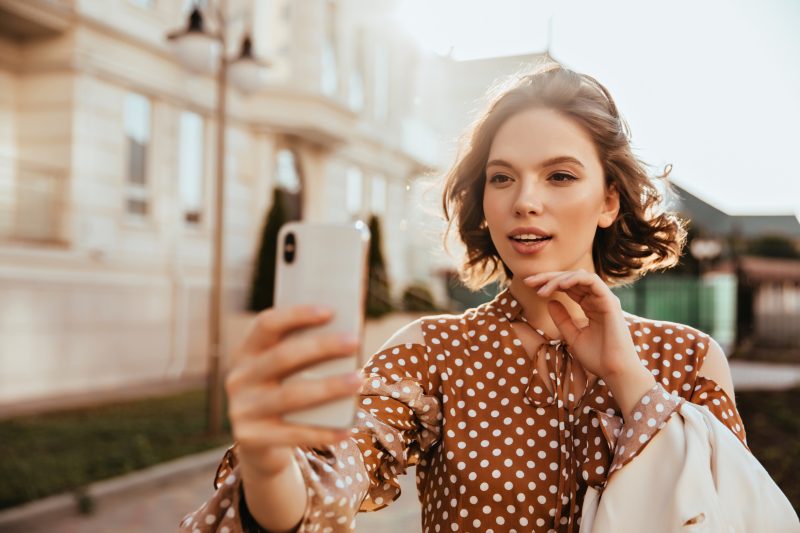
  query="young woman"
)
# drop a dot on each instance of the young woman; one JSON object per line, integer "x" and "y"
{"x": 511, "y": 410}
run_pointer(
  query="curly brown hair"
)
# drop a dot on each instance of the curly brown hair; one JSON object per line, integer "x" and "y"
{"x": 643, "y": 237}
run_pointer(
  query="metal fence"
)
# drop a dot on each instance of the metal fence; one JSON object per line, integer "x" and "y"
{"x": 712, "y": 305}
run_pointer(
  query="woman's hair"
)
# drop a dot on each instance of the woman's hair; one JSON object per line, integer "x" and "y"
{"x": 643, "y": 237}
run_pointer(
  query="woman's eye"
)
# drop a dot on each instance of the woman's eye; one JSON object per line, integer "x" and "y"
{"x": 562, "y": 177}
{"x": 499, "y": 178}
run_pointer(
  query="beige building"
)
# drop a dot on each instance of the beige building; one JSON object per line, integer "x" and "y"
{"x": 107, "y": 161}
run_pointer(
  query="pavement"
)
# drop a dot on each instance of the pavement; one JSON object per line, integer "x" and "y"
{"x": 752, "y": 375}
{"x": 156, "y": 499}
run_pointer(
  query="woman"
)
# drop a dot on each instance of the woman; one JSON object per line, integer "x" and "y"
{"x": 513, "y": 409}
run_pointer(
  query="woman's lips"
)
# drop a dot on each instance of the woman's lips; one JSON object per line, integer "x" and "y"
{"x": 529, "y": 248}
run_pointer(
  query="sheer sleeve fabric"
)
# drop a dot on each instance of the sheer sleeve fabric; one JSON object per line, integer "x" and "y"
{"x": 627, "y": 438}
{"x": 398, "y": 420}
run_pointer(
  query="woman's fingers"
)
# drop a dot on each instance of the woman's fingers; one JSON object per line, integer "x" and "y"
{"x": 554, "y": 282}
{"x": 290, "y": 355}
{"x": 297, "y": 353}
{"x": 563, "y": 321}
{"x": 580, "y": 281}
{"x": 274, "y": 401}
{"x": 541, "y": 278}
{"x": 268, "y": 435}
{"x": 273, "y": 324}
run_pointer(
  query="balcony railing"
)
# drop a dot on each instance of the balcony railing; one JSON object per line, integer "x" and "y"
{"x": 32, "y": 201}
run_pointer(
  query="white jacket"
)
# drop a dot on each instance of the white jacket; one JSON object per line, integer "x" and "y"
{"x": 694, "y": 475}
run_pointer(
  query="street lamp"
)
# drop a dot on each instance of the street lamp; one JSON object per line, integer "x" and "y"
{"x": 204, "y": 52}
{"x": 703, "y": 250}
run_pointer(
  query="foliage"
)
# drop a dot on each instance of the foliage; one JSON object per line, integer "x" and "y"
{"x": 773, "y": 246}
{"x": 65, "y": 451}
{"x": 379, "y": 300}
{"x": 262, "y": 292}
{"x": 418, "y": 298}
{"x": 772, "y": 424}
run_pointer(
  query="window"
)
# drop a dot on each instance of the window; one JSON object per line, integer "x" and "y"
{"x": 355, "y": 97}
{"x": 190, "y": 166}
{"x": 330, "y": 77}
{"x": 378, "y": 195}
{"x": 355, "y": 190}
{"x": 188, "y": 5}
{"x": 287, "y": 173}
{"x": 380, "y": 87}
{"x": 137, "y": 134}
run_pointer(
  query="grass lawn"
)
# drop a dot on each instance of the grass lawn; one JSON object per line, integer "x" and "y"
{"x": 772, "y": 422}
{"x": 50, "y": 454}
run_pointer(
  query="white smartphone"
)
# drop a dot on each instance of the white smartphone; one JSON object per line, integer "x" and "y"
{"x": 325, "y": 264}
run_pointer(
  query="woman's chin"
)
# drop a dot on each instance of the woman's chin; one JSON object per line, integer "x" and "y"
{"x": 524, "y": 272}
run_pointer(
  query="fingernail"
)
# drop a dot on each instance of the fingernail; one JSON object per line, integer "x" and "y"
{"x": 321, "y": 311}
{"x": 348, "y": 339}
{"x": 354, "y": 378}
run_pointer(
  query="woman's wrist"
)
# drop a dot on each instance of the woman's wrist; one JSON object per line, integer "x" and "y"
{"x": 277, "y": 502}
{"x": 629, "y": 385}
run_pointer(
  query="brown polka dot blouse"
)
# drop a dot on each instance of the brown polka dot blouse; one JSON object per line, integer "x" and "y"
{"x": 495, "y": 449}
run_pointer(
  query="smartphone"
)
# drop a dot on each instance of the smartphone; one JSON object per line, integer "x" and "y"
{"x": 325, "y": 264}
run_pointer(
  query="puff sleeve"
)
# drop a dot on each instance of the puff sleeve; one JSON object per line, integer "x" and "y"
{"x": 398, "y": 420}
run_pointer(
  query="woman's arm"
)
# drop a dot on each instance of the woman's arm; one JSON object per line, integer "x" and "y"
{"x": 276, "y": 502}
{"x": 715, "y": 367}
{"x": 399, "y": 417}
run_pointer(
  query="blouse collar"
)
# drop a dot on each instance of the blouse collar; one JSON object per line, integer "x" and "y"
{"x": 506, "y": 305}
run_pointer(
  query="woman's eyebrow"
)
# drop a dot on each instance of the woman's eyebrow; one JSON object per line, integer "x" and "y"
{"x": 558, "y": 160}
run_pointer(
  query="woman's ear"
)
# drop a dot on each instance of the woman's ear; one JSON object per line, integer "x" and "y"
{"x": 610, "y": 207}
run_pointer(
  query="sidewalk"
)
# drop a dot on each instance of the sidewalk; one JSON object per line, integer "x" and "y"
{"x": 752, "y": 375}
{"x": 164, "y": 494}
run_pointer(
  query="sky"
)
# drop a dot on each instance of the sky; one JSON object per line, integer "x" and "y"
{"x": 711, "y": 87}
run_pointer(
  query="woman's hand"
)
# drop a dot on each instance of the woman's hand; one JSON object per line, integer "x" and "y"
{"x": 257, "y": 398}
{"x": 604, "y": 346}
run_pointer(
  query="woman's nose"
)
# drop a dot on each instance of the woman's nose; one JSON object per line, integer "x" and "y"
{"x": 529, "y": 200}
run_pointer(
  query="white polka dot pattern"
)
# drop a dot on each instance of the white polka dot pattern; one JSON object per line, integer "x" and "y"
{"x": 495, "y": 448}
{"x": 647, "y": 418}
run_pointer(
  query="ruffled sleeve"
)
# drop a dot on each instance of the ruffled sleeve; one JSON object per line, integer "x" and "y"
{"x": 398, "y": 421}
{"x": 627, "y": 438}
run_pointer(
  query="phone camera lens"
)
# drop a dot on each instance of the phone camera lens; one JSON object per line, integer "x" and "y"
{"x": 289, "y": 248}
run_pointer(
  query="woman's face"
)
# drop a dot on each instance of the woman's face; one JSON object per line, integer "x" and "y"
{"x": 544, "y": 179}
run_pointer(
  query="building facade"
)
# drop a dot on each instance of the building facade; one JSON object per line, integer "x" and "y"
{"x": 107, "y": 163}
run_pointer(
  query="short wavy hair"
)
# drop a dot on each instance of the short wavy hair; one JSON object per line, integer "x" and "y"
{"x": 643, "y": 237}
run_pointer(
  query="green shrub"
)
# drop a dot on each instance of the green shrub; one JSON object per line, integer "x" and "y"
{"x": 379, "y": 300}
{"x": 65, "y": 451}
{"x": 418, "y": 298}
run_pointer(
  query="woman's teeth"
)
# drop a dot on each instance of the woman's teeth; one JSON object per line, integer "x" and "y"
{"x": 528, "y": 238}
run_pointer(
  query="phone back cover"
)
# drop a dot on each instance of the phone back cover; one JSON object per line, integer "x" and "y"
{"x": 329, "y": 269}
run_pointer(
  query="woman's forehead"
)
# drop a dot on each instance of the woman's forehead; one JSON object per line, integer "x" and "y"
{"x": 532, "y": 137}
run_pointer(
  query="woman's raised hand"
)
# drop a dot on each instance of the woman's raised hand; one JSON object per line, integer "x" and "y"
{"x": 257, "y": 398}
{"x": 604, "y": 346}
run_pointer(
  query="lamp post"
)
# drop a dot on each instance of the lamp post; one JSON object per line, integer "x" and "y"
{"x": 204, "y": 53}
{"x": 703, "y": 250}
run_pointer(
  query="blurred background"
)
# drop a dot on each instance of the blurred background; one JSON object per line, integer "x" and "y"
{"x": 151, "y": 149}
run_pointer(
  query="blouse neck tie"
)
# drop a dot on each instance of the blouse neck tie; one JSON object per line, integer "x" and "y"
{"x": 559, "y": 364}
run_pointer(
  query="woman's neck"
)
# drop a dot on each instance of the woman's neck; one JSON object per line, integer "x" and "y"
{"x": 534, "y": 307}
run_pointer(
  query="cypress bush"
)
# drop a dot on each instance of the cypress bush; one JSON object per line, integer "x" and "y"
{"x": 379, "y": 300}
